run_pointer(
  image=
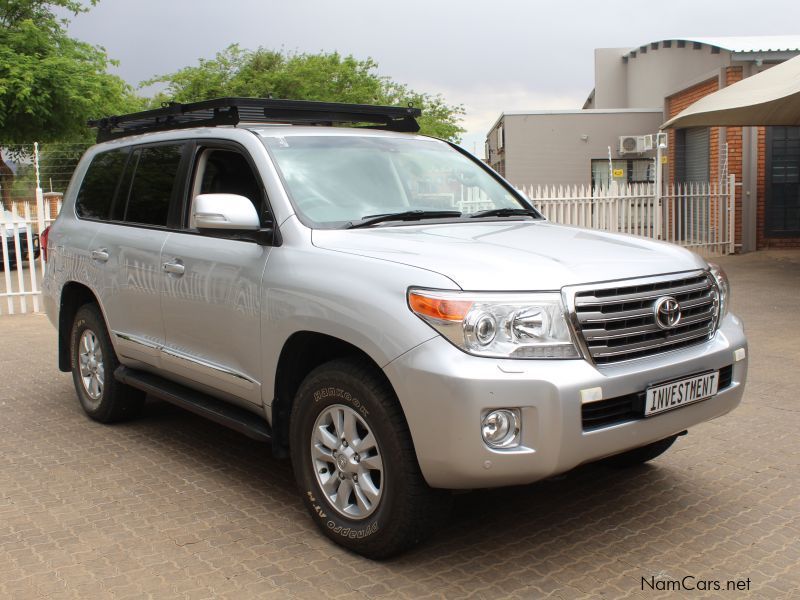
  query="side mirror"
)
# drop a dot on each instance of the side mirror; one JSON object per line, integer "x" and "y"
{"x": 225, "y": 211}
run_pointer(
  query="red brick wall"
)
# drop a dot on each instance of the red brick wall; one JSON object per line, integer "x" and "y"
{"x": 682, "y": 100}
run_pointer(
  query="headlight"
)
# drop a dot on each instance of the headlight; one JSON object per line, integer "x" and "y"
{"x": 501, "y": 325}
{"x": 723, "y": 286}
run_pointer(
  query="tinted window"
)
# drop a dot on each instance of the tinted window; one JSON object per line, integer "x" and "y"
{"x": 99, "y": 184}
{"x": 153, "y": 184}
{"x": 120, "y": 202}
{"x": 228, "y": 172}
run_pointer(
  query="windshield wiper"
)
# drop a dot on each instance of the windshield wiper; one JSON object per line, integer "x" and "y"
{"x": 505, "y": 212}
{"x": 407, "y": 215}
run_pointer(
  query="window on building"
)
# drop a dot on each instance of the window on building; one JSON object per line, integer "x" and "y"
{"x": 501, "y": 139}
{"x": 622, "y": 171}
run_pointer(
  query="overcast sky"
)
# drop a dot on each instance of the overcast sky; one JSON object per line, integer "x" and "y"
{"x": 489, "y": 55}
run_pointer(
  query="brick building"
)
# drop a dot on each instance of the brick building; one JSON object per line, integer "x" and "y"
{"x": 663, "y": 78}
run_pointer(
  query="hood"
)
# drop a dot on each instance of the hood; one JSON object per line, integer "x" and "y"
{"x": 513, "y": 256}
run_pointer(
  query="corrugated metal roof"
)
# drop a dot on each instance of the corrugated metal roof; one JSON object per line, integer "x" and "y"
{"x": 753, "y": 43}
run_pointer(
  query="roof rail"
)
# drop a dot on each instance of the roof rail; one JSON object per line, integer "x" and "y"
{"x": 230, "y": 111}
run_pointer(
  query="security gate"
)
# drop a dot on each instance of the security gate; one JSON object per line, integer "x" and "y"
{"x": 783, "y": 181}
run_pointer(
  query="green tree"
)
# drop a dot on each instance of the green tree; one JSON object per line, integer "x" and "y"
{"x": 50, "y": 83}
{"x": 328, "y": 77}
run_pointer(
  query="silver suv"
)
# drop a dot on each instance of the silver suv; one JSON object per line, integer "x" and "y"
{"x": 378, "y": 305}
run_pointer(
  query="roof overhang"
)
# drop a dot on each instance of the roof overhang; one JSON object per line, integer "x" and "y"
{"x": 771, "y": 97}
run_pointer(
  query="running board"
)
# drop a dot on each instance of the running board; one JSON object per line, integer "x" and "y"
{"x": 201, "y": 404}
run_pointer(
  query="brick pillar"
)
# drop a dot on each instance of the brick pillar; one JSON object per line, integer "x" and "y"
{"x": 51, "y": 199}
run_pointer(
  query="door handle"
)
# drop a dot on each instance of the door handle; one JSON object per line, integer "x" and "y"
{"x": 101, "y": 254}
{"x": 175, "y": 267}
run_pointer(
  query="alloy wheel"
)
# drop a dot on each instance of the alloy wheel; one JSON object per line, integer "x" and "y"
{"x": 347, "y": 462}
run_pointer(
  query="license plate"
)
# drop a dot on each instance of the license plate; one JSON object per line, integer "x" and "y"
{"x": 668, "y": 396}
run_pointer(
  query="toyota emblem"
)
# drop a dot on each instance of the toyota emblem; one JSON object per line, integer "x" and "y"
{"x": 667, "y": 311}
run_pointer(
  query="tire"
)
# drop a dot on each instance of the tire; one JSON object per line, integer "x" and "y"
{"x": 102, "y": 397}
{"x": 638, "y": 456}
{"x": 390, "y": 508}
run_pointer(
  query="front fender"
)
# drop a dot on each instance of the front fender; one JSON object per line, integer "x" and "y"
{"x": 356, "y": 299}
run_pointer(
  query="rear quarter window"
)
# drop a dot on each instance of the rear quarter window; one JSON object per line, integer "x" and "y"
{"x": 154, "y": 182}
{"x": 100, "y": 184}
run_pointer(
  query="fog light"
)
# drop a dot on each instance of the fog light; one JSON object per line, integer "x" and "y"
{"x": 500, "y": 428}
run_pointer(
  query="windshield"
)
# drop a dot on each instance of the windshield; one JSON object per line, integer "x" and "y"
{"x": 336, "y": 180}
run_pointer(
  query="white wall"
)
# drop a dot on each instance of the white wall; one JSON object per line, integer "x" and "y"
{"x": 646, "y": 79}
{"x": 548, "y": 147}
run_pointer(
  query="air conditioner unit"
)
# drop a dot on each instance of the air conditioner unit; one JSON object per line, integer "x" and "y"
{"x": 633, "y": 144}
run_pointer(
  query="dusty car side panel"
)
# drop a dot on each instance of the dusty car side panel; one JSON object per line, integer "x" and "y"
{"x": 211, "y": 313}
{"x": 69, "y": 259}
{"x": 128, "y": 283}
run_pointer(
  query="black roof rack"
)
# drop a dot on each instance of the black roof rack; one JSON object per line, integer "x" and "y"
{"x": 230, "y": 111}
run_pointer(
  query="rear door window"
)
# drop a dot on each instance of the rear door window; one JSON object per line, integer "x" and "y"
{"x": 154, "y": 184}
{"x": 100, "y": 185}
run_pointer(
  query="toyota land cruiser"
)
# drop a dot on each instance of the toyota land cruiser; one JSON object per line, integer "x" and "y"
{"x": 378, "y": 305}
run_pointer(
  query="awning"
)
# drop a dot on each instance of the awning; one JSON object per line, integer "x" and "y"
{"x": 770, "y": 98}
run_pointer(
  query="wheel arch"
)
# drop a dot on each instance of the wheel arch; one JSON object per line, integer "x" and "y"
{"x": 302, "y": 352}
{"x": 73, "y": 296}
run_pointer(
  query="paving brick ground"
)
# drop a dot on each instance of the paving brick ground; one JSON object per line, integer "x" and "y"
{"x": 172, "y": 506}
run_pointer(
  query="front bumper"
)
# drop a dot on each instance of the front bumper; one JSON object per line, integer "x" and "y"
{"x": 445, "y": 392}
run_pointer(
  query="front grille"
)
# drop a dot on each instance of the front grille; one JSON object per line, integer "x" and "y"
{"x": 631, "y": 407}
{"x": 618, "y": 321}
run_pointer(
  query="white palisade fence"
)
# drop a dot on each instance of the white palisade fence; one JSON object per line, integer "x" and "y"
{"x": 32, "y": 182}
{"x": 699, "y": 216}
{"x": 22, "y": 259}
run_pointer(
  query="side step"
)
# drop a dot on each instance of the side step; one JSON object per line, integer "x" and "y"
{"x": 201, "y": 404}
